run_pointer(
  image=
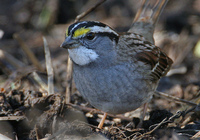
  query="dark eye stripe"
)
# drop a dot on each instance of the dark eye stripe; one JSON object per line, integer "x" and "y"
{"x": 112, "y": 36}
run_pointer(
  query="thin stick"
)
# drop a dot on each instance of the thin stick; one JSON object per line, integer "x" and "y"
{"x": 48, "y": 67}
{"x": 69, "y": 81}
{"x": 163, "y": 121}
{"x": 148, "y": 133}
{"x": 175, "y": 98}
{"x": 82, "y": 15}
{"x": 87, "y": 109}
{"x": 37, "y": 79}
{"x": 100, "y": 126}
{"x": 5, "y": 56}
{"x": 4, "y": 137}
{"x": 36, "y": 132}
{"x": 54, "y": 124}
{"x": 13, "y": 118}
{"x": 197, "y": 135}
{"x": 28, "y": 52}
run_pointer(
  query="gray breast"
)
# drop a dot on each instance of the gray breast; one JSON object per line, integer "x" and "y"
{"x": 116, "y": 89}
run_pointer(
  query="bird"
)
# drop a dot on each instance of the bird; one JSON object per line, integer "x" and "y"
{"x": 117, "y": 72}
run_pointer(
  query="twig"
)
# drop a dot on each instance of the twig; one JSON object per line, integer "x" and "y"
{"x": 197, "y": 135}
{"x": 46, "y": 138}
{"x": 13, "y": 118}
{"x": 69, "y": 81}
{"x": 120, "y": 131}
{"x": 82, "y": 15}
{"x": 175, "y": 98}
{"x": 4, "y": 137}
{"x": 53, "y": 127}
{"x": 36, "y": 132}
{"x": 171, "y": 119}
{"x": 69, "y": 64}
{"x": 148, "y": 133}
{"x": 48, "y": 67}
{"x": 175, "y": 116}
{"x": 4, "y": 56}
{"x": 87, "y": 109}
{"x": 180, "y": 70}
{"x": 28, "y": 52}
{"x": 37, "y": 78}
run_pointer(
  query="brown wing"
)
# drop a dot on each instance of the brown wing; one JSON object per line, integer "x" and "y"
{"x": 138, "y": 48}
{"x": 159, "y": 61}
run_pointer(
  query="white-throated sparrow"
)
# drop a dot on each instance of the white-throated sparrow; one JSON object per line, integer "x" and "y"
{"x": 114, "y": 73}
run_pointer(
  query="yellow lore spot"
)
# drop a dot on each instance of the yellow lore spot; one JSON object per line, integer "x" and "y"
{"x": 81, "y": 31}
{"x": 66, "y": 33}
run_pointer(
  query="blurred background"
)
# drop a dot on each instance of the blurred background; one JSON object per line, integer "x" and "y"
{"x": 23, "y": 23}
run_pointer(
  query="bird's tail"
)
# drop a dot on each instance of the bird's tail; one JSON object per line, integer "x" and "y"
{"x": 146, "y": 18}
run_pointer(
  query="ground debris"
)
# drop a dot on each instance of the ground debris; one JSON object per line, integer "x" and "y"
{"x": 27, "y": 111}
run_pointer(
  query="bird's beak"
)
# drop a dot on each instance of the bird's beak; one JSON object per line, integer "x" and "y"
{"x": 69, "y": 43}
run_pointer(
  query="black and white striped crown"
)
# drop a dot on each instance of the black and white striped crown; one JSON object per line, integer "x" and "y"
{"x": 80, "y": 29}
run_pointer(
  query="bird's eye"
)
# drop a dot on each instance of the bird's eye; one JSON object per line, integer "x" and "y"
{"x": 90, "y": 36}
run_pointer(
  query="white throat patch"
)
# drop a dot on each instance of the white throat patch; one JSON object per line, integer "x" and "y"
{"x": 82, "y": 56}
